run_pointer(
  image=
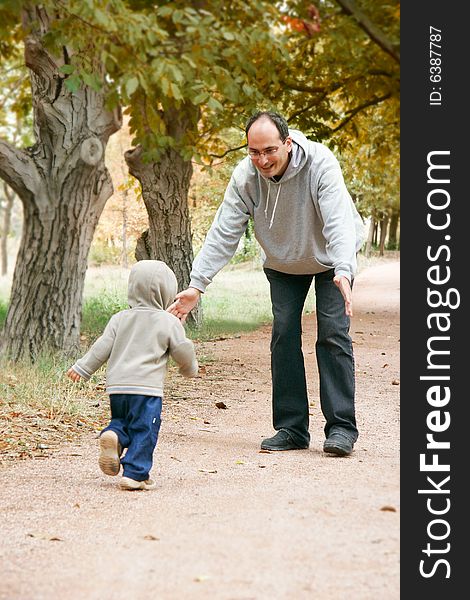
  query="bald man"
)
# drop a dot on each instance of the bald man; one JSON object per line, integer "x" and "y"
{"x": 308, "y": 229}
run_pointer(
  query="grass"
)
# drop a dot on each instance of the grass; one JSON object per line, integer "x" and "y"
{"x": 40, "y": 407}
{"x": 237, "y": 301}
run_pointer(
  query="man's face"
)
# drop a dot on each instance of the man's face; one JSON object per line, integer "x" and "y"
{"x": 263, "y": 135}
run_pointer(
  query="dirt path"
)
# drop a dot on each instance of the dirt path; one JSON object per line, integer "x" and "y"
{"x": 226, "y": 521}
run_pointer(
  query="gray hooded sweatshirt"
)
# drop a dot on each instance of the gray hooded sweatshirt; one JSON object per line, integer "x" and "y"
{"x": 138, "y": 341}
{"x": 305, "y": 223}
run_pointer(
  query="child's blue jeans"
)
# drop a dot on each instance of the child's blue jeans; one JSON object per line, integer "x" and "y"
{"x": 136, "y": 420}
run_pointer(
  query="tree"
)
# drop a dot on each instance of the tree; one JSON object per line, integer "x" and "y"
{"x": 6, "y": 208}
{"x": 177, "y": 68}
{"x": 343, "y": 89}
{"x": 184, "y": 73}
{"x": 63, "y": 184}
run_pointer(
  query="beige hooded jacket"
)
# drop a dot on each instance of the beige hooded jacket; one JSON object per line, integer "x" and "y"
{"x": 138, "y": 341}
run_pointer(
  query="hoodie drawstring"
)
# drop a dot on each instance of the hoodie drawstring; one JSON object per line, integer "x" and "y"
{"x": 275, "y": 204}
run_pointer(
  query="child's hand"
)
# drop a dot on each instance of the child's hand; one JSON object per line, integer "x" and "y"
{"x": 73, "y": 375}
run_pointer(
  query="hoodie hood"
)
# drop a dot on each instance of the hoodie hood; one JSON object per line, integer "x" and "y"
{"x": 152, "y": 284}
{"x": 297, "y": 160}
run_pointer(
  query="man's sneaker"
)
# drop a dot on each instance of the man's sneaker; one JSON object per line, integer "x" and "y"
{"x": 110, "y": 452}
{"x": 281, "y": 441}
{"x": 131, "y": 484}
{"x": 338, "y": 443}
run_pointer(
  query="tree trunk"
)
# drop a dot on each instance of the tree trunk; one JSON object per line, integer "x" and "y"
{"x": 165, "y": 187}
{"x": 5, "y": 229}
{"x": 63, "y": 184}
{"x": 370, "y": 236}
{"x": 124, "y": 261}
{"x": 393, "y": 230}
{"x": 383, "y": 233}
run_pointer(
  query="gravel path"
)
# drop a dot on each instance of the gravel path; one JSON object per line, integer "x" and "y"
{"x": 226, "y": 521}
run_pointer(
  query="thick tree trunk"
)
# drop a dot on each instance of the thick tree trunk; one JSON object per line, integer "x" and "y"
{"x": 165, "y": 187}
{"x": 5, "y": 228}
{"x": 63, "y": 184}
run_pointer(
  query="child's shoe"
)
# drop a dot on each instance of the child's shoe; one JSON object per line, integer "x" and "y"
{"x": 131, "y": 484}
{"x": 110, "y": 452}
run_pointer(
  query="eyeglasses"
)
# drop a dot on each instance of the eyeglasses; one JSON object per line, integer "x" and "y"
{"x": 255, "y": 154}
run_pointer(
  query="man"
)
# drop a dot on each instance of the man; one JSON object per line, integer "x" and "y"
{"x": 307, "y": 227}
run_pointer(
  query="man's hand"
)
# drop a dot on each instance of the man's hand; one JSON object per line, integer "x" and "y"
{"x": 344, "y": 286}
{"x": 184, "y": 303}
{"x": 73, "y": 375}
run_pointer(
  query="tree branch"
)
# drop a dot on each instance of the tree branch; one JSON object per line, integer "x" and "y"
{"x": 353, "y": 112}
{"x": 227, "y": 152}
{"x": 300, "y": 87}
{"x": 374, "y": 32}
{"x": 18, "y": 170}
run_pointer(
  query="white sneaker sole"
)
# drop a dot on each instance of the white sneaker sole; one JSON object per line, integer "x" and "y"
{"x": 132, "y": 485}
{"x": 109, "y": 461}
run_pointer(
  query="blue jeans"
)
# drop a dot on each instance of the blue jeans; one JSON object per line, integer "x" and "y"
{"x": 333, "y": 351}
{"x": 136, "y": 420}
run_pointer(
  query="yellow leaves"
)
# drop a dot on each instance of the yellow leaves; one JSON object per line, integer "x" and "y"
{"x": 131, "y": 85}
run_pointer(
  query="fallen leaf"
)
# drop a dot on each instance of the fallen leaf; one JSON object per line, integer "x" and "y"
{"x": 221, "y": 405}
{"x": 45, "y": 536}
{"x": 388, "y": 508}
{"x": 395, "y": 382}
{"x": 385, "y": 365}
{"x": 207, "y": 470}
{"x": 239, "y": 462}
{"x": 151, "y": 538}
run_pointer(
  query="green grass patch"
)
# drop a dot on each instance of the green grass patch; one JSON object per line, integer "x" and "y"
{"x": 97, "y": 311}
{"x": 237, "y": 301}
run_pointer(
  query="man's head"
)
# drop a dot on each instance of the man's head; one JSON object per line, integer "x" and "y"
{"x": 269, "y": 143}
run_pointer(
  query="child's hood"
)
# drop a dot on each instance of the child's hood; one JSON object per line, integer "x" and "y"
{"x": 151, "y": 284}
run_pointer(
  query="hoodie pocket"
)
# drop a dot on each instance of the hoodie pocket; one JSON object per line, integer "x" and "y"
{"x": 303, "y": 266}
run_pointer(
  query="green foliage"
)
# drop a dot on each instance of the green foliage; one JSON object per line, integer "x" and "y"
{"x": 3, "y": 312}
{"x": 97, "y": 310}
{"x": 343, "y": 89}
{"x": 167, "y": 62}
{"x": 248, "y": 248}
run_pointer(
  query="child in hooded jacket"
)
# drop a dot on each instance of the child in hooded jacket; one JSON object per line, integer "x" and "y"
{"x": 136, "y": 344}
